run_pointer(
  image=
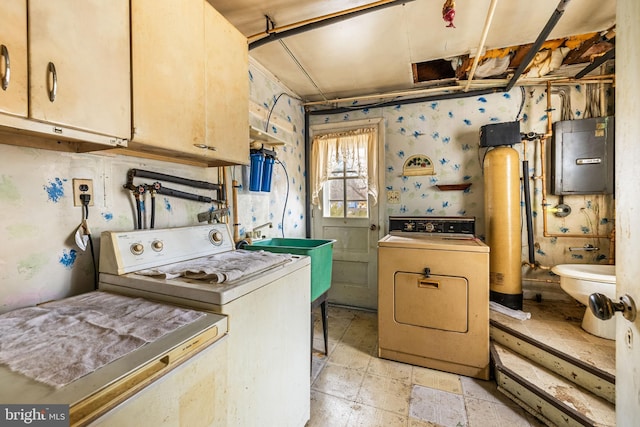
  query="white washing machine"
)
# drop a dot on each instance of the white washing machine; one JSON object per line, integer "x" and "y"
{"x": 264, "y": 295}
{"x": 433, "y": 295}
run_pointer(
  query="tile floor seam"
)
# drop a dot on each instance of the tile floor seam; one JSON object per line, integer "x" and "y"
{"x": 388, "y": 377}
{"x": 347, "y": 366}
{"x": 332, "y": 395}
{"x": 378, "y": 409}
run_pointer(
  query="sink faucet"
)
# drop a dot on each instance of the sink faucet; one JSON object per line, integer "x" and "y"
{"x": 254, "y": 232}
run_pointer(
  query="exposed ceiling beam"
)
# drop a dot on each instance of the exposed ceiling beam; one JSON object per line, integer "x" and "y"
{"x": 321, "y": 21}
{"x": 595, "y": 64}
{"x": 542, "y": 37}
{"x": 575, "y": 56}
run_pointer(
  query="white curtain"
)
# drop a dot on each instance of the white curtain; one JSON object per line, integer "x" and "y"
{"x": 350, "y": 145}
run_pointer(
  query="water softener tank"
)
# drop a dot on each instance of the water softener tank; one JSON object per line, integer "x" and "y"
{"x": 502, "y": 225}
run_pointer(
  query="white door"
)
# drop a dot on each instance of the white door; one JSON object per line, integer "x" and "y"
{"x": 627, "y": 207}
{"x": 349, "y": 216}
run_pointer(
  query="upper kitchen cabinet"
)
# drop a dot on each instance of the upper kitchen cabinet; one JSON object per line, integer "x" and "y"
{"x": 79, "y": 65}
{"x": 66, "y": 74}
{"x": 190, "y": 84}
{"x": 13, "y": 58}
{"x": 167, "y": 46}
{"x": 227, "y": 79}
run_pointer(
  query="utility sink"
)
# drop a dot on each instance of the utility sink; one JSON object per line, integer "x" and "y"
{"x": 320, "y": 251}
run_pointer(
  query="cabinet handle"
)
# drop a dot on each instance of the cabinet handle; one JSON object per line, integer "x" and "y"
{"x": 53, "y": 90}
{"x": 433, "y": 284}
{"x": 4, "y": 52}
{"x": 208, "y": 147}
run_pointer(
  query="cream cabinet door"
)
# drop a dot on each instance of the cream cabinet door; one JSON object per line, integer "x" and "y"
{"x": 227, "y": 79}
{"x": 168, "y": 76}
{"x": 80, "y": 64}
{"x": 13, "y": 57}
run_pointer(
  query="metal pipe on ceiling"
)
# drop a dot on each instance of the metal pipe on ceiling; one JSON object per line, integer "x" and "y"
{"x": 483, "y": 39}
{"x": 542, "y": 37}
{"x": 458, "y": 86}
{"x": 321, "y": 21}
{"x": 397, "y": 94}
{"x": 301, "y": 68}
{"x": 440, "y": 97}
{"x": 595, "y": 64}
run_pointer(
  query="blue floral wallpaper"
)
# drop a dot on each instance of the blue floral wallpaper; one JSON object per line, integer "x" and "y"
{"x": 447, "y": 132}
{"x": 283, "y": 206}
{"x": 36, "y": 186}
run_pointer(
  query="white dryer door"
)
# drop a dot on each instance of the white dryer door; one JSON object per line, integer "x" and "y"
{"x": 435, "y": 302}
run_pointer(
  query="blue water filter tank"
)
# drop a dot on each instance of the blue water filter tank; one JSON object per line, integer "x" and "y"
{"x": 255, "y": 173}
{"x": 266, "y": 173}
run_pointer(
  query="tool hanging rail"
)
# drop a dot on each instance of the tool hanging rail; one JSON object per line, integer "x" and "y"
{"x": 139, "y": 190}
{"x": 171, "y": 178}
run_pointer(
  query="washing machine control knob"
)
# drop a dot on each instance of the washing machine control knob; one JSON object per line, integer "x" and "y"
{"x": 429, "y": 227}
{"x": 157, "y": 245}
{"x": 137, "y": 248}
{"x": 215, "y": 237}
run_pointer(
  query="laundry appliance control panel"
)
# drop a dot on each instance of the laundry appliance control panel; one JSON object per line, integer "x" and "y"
{"x": 437, "y": 225}
{"x": 127, "y": 251}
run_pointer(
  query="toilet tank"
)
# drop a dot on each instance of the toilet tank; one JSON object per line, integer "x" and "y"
{"x": 582, "y": 157}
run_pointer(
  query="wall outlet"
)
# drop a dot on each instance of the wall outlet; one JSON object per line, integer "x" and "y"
{"x": 82, "y": 186}
{"x": 393, "y": 197}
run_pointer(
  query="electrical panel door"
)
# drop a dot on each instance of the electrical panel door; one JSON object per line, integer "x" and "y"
{"x": 581, "y": 158}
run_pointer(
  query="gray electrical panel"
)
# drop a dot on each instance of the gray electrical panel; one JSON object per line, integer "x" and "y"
{"x": 581, "y": 158}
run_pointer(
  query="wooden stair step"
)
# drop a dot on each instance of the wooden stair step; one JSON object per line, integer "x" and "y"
{"x": 550, "y": 397}
{"x": 590, "y": 377}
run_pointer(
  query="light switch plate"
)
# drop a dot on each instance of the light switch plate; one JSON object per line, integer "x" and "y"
{"x": 393, "y": 197}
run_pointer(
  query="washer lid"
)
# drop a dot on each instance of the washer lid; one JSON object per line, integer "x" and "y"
{"x": 433, "y": 242}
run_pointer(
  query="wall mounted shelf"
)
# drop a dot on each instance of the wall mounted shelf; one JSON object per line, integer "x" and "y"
{"x": 261, "y": 137}
{"x": 453, "y": 187}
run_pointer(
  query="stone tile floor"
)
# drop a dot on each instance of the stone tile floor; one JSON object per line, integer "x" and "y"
{"x": 353, "y": 387}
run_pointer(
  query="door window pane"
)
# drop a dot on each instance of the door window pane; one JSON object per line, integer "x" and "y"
{"x": 334, "y": 189}
{"x": 349, "y": 192}
{"x": 357, "y": 206}
{"x": 346, "y": 191}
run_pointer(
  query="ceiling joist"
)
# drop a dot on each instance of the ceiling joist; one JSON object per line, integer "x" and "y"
{"x": 277, "y": 33}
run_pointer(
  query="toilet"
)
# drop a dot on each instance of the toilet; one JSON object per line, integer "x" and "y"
{"x": 582, "y": 280}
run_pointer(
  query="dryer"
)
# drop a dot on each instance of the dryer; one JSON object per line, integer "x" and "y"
{"x": 433, "y": 295}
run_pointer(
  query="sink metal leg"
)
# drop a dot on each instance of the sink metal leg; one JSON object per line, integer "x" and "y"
{"x": 322, "y": 302}
{"x": 325, "y": 322}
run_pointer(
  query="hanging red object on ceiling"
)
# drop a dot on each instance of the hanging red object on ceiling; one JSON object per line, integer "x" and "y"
{"x": 449, "y": 12}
